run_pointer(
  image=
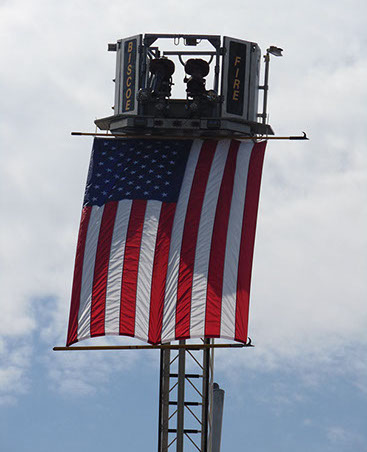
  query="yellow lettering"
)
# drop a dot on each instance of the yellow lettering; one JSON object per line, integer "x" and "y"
{"x": 129, "y": 69}
{"x": 130, "y": 46}
{"x": 129, "y": 60}
{"x": 128, "y": 93}
{"x": 236, "y": 84}
{"x": 237, "y": 60}
{"x": 128, "y": 81}
{"x": 235, "y": 95}
{"x": 128, "y": 106}
{"x": 238, "y": 70}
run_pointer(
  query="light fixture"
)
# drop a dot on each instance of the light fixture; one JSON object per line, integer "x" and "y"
{"x": 191, "y": 41}
{"x": 276, "y": 51}
{"x": 198, "y": 69}
{"x": 162, "y": 70}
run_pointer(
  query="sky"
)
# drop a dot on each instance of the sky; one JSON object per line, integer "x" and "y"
{"x": 304, "y": 385}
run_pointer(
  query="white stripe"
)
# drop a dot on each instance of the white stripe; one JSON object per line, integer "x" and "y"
{"x": 203, "y": 247}
{"x": 170, "y": 299}
{"x": 228, "y": 316}
{"x": 114, "y": 277}
{"x": 145, "y": 271}
{"x": 88, "y": 272}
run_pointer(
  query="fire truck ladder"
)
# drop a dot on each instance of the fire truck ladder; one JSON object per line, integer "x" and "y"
{"x": 185, "y": 405}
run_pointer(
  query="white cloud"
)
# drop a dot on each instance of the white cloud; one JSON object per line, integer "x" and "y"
{"x": 15, "y": 361}
{"x": 344, "y": 438}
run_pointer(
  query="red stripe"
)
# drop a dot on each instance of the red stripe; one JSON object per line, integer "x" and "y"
{"x": 77, "y": 282}
{"x": 98, "y": 305}
{"x": 160, "y": 272}
{"x": 189, "y": 239}
{"x": 218, "y": 246}
{"x": 131, "y": 268}
{"x": 248, "y": 240}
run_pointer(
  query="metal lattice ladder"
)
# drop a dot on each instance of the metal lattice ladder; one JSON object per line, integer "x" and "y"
{"x": 185, "y": 405}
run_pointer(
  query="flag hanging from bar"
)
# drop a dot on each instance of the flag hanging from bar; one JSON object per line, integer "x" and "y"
{"x": 166, "y": 240}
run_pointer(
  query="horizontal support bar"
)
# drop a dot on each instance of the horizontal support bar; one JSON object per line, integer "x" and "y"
{"x": 169, "y": 35}
{"x": 186, "y": 430}
{"x": 185, "y": 52}
{"x": 148, "y": 347}
{"x": 186, "y": 403}
{"x": 187, "y": 375}
{"x": 166, "y": 137}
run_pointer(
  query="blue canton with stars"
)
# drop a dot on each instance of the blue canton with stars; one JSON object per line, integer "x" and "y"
{"x": 136, "y": 169}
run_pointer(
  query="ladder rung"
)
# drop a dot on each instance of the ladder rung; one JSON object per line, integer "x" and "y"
{"x": 186, "y": 403}
{"x": 186, "y": 430}
{"x": 187, "y": 375}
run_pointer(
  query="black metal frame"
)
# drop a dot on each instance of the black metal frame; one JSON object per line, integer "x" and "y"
{"x": 183, "y": 117}
{"x": 172, "y": 393}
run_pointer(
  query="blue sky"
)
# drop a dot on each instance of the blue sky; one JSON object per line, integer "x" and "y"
{"x": 303, "y": 386}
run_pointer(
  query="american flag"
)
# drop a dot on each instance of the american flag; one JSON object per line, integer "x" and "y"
{"x": 166, "y": 240}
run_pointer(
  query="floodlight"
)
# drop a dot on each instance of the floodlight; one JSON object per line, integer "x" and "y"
{"x": 162, "y": 70}
{"x": 191, "y": 41}
{"x": 198, "y": 69}
{"x": 276, "y": 51}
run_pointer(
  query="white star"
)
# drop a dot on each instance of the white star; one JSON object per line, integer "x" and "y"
{"x": 164, "y": 194}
